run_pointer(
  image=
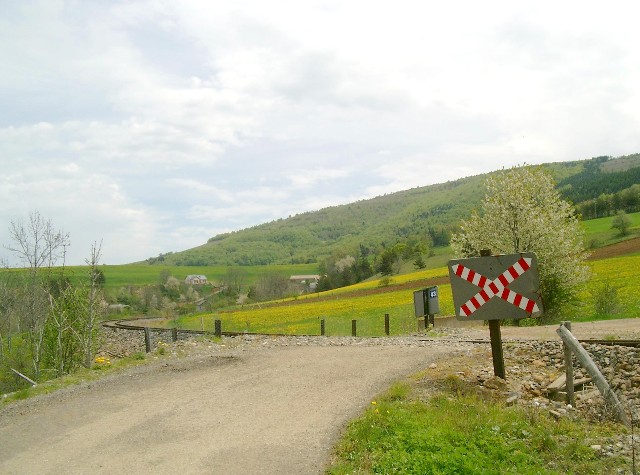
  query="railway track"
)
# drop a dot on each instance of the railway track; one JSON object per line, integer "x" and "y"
{"x": 122, "y": 324}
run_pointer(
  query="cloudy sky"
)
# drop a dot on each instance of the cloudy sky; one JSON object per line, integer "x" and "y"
{"x": 154, "y": 125}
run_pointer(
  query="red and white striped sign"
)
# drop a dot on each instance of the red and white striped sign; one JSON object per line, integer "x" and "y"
{"x": 497, "y": 287}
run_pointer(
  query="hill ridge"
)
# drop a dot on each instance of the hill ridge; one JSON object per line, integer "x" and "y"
{"x": 426, "y": 214}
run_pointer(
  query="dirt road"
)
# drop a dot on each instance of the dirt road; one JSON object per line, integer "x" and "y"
{"x": 245, "y": 411}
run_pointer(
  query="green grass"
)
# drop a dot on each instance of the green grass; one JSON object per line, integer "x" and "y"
{"x": 457, "y": 433}
{"x": 117, "y": 276}
{"x": 96, "y": 372}
{"x": 598, "y": 232}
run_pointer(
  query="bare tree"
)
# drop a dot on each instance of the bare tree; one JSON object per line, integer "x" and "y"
{"x": 38, "y": 246}
{"x": 93, "y": 309}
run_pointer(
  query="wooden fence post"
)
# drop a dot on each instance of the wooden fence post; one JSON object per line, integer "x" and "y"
{"x": 174, "y": 334}
{"x": 218, "y": 328}
{"x": 386, "y": 324}
{"x": 322, "y": 332}
{"x": 353, "y": 327}
{"x": 585, "y": 360}
{"x": 147, "y": 339}
{"x": 568, "y": 368}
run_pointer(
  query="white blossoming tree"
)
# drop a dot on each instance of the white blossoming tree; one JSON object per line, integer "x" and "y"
{"x": 523, "y": 212}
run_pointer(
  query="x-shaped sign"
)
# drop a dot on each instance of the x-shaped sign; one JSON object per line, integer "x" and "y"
{"x": 497, "y": 287}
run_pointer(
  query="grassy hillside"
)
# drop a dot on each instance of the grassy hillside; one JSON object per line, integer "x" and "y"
{"x": 432, "y": 211}
{"x": 599, "y": 232}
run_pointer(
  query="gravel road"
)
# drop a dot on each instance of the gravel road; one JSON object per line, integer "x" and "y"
{"x": 251, "y": 409}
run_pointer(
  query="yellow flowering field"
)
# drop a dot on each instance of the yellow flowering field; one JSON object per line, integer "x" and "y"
{"x": 367, "y": 303}
{"x": 337, "y": 307}
{"x": 622, "y": 273}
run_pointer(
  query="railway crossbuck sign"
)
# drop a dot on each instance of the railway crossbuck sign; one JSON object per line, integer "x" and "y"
{"x": 496, "y": 287}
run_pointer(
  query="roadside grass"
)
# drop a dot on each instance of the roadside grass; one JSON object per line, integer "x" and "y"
{"x": 457, "y": 430}
{"x": 101, "y": 368}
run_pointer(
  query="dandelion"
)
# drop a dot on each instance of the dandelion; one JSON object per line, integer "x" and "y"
{"x": 102, "y": 360}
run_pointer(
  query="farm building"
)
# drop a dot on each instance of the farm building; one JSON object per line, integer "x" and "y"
{"x": 194, "y": 279}
{"x": 310, "y": 281}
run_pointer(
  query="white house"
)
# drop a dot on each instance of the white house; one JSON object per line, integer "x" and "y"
{"x": 193, "y": 279}
{"x": 310, "y": 281}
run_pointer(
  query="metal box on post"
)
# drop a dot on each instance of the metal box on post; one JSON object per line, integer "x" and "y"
{"x": 433, "y": 304}
{"x": 419, "y": 303}
{"x": 426, "y": 304}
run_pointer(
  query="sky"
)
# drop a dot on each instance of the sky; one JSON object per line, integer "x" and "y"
{"x": 151, "y": 126}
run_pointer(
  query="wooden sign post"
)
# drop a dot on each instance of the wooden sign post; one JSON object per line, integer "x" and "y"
{"x": 496, "y": 288}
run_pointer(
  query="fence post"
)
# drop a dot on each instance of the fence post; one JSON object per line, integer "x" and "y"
{"x": 174, "y": 334}
{"x": 568, "y": 368}
{"x": 147, "y": 339}
{"x": 218, "y": 328}
{"x": 386, "y": 324}
{"x": 603, "y": 386}
{"x": 322, "y": 332}
{"x": 353, "y": 327}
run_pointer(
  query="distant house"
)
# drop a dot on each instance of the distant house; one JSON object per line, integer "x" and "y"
{"x": 194, "y": 279}
{"x": 309, "y": 281}
{"x": 201, "y": 304}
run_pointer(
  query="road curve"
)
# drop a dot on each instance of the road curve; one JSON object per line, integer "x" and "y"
{"x": 272, "y": 410}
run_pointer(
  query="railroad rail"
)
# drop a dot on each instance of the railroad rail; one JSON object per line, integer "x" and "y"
{"x": 123, "y": 325}
{"x": 120, "y": 324}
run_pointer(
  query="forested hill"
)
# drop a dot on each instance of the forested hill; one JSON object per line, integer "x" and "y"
{"x": 423, "y": 216}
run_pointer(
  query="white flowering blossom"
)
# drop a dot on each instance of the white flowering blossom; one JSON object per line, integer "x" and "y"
{"x": 523, "y": 212}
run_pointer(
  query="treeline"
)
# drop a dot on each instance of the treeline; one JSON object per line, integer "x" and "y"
{"x": 168, "y": 298}
{"x": 48, "y": 321}
{"x": 343, "y": 269}
{"x": 594, "y": 181}
{"x": 627, "y": 200}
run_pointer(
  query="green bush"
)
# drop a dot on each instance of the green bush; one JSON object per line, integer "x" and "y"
{"x": 605, "y": 298}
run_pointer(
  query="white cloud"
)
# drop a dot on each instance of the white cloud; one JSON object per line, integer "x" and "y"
{"x": 153, "y": 124}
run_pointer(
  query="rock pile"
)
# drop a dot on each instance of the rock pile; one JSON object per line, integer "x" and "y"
{"x": 619, "y": 365}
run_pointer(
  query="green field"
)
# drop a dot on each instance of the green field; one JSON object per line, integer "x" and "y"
{"x": 598, "y": 232}
{"x": 117, "y": 276}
